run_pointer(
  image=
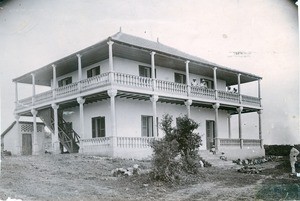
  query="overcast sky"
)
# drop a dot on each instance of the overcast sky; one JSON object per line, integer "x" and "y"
{"x": 36, "y": 33}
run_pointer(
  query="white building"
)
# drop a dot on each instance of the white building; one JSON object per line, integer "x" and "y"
{"x": 23, "y": 127}
{"x": 108, "y": 98}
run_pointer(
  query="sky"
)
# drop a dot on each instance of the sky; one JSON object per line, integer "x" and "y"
{"x": 35, "y": 33}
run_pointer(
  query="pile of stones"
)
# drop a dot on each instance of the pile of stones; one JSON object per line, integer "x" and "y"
{"x": 255, "y": 160}
{"x": 135, "y": 170}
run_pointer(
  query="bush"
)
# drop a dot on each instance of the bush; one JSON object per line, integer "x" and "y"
{"x": 279, "y": 150}
{"x": 177, "y": 151}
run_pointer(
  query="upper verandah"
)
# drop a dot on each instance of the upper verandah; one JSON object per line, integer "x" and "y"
{"x": 135, "y": 48}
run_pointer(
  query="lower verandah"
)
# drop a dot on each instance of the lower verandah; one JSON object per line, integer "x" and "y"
{"x": 130, "y": 124}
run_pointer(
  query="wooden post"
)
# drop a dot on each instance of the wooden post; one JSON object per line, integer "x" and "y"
{"x": 187, "y": 72}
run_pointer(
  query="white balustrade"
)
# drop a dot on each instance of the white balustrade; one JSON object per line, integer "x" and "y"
{"x": 42, "y": 97}
{"x": 228, "y": 96}
{"x": 134, "y": 142}
{"x": 132, "y": 80}
{"x": 202, "y": 92}
{"x": 26, "y": 102}
{"x": 101, "y": 141}
{"x": 172, "y": 87}
{"x": 251, "y": 100}
{"x": 95, "y": 81}
{"x": 136, "y": 82}
{"x": 69, "y": 89}
{"x": 251, "y": 142}
{"x": 227, "y": 143}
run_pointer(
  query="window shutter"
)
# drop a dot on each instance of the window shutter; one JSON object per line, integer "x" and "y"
{"x": 93, "y": 128}
{"x": 102, "y": 127}
{"x": 184, "y": 79}
{"x": 60, "y": 83}
{"x": 98, "y": 70}
{"x": 89, "y": 73}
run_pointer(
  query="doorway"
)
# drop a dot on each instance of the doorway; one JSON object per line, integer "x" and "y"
{"x": 210, "y": 134}
{"x": 26, "y": 144}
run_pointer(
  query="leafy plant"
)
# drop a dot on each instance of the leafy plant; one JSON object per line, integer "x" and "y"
{"x": 177, "y": 151}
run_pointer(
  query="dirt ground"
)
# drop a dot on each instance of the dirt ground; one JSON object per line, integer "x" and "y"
{"x": 79, "y": 177}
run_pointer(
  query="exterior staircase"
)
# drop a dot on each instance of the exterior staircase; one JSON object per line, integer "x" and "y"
{"x": 215, "y": 161}
{"x": 68, "y": 138}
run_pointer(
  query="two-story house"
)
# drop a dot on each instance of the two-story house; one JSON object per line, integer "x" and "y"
{"x": 108, "y": 99}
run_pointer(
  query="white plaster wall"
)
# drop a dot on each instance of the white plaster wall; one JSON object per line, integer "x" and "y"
{"x": 104, "y": 67}
{"x": 10, "y": 140}
{"x": 128, "y": 116}
{"x": 100, "y": 108}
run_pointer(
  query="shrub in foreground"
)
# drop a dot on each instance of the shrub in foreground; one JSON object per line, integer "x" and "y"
{"x": 177, "y": 151}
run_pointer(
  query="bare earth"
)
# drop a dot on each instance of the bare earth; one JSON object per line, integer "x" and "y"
{"x": 80, "y": 177}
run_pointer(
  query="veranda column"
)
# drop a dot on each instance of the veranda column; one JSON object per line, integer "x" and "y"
{"x": 81, "y": 101}
{"x": 239, "y": 87}
{"x": 260, "y": 128}
{"x": 54, "y": 82}
{"x": 35, "y": 145}
{"x": 229, "y": 125}
{"x": 79, "y": 71}
{"x": 215, "y": 82}
{"x": 16, "y": 94}
{"x": 153, "y": 70}
{"x": 240, "y": 109}
{"x": 112, "y": 94}
{"x": 154, "y": 100}
{"x": 55, "y": 137}
{"x": 188, "y": 104}
{"x": 187, "y": 72}
{"x": 259, "y": 91}
{"x": 19, "y": 135}
{"x": 216, "y": 140}
{"x": 33, "y": 87}
{"x": 110, "y": 58}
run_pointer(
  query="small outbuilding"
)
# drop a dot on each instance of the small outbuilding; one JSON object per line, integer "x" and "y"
{"x": 10, "y": 142}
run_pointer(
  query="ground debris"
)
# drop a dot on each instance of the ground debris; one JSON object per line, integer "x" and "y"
{"x": 250, "y": 170}
{"x": 135, "y": 170}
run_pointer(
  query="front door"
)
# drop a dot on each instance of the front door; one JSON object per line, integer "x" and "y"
{"x": 26, "y": 144}
{"x": 210, "y": 134}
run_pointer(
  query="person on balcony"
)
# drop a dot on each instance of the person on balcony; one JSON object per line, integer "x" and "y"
{"x": 194, "y": 82}
{"x": 293, "y": 158}
{"x": 203, "y": 83}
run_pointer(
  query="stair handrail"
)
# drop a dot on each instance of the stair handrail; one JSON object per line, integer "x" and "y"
{"x": 76, "y": 136}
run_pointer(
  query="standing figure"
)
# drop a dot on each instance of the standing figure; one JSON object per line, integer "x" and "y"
{"x": 194, "y": 82}
{"x": 293, "y": 158}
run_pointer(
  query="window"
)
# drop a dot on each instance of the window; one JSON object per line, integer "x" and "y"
{"x": 180, "y": 78}
{"x": 145, "y": 71}
{"x": 98, "y": 127}
{"x": 65, "y": 81}
{"x": 93, "y": 72}
{"x": 147, "y": 126}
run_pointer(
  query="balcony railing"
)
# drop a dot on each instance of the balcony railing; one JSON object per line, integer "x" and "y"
{"x": 203, "y": 92}
{"x": 134, "y": 142}
{"x": 134, "y": 82}
{"x": 171, "y": 87}
{"x": 233, "y": 143}
{"x": 228, "y": 96}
